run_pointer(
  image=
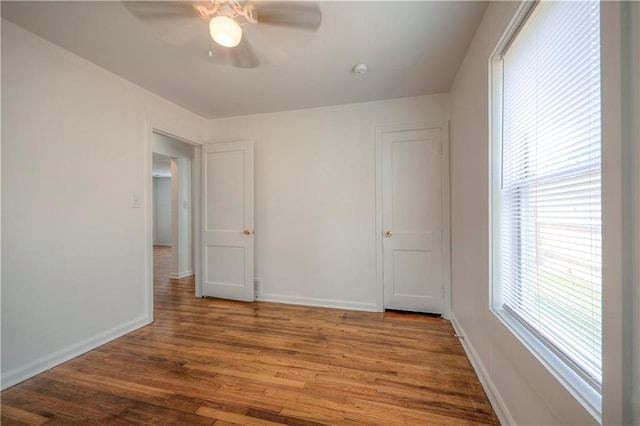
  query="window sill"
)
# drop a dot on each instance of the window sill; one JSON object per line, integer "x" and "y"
{"x": 584, "y": 393}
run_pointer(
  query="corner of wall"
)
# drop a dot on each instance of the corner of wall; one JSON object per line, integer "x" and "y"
{"x": 24, "y": 372}
{"x": 498, "y": 404}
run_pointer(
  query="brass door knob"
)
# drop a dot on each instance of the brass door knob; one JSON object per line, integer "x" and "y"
{"x": 388, "y": 234}
{"x": 247, "y": 232}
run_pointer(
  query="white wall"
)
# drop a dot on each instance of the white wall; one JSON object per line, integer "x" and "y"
{"x": 522, "y": 389}
{"x": 162, "y": 211}
{"x": 315, "y": 196}
{"x": 76, "y": 145}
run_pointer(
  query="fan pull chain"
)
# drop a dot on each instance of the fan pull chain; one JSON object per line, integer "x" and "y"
{"x": 210, "y": 52}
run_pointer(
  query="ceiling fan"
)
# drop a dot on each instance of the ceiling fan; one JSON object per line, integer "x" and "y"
{"x": 235, "y": 27}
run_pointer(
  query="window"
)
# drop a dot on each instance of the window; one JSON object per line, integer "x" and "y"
{"x": 547, "y": 237}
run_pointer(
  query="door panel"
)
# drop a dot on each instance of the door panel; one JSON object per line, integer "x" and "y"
{"x": 225, "y": 197}
{"x": 228, "y": 221}
{"x": 411, "y": 269}
{"x": 229, "y": 263}
{"x": 412, "y": 220}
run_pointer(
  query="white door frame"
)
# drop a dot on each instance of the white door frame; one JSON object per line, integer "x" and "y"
{"x": 446, "y": 218}
{"x": 151, "y": 128}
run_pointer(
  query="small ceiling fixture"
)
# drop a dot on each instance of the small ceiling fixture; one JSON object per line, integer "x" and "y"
{"x": 360, "y": 69}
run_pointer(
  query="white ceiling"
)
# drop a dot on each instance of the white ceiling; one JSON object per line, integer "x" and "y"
{"x": 411, "y": 48}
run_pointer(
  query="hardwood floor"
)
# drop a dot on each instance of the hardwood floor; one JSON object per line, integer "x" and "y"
{"x": 206, "y": 361}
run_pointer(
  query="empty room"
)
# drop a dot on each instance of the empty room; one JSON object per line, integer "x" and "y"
{"x": 320, "y": 212}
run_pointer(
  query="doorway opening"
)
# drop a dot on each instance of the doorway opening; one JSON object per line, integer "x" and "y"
{"x": 174, "y": 165}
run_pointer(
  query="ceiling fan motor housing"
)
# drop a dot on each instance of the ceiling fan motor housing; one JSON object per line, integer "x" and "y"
{"x": 242, "y": 13}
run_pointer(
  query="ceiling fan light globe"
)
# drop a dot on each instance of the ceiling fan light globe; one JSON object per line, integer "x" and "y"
{"x": 225, "y": 31}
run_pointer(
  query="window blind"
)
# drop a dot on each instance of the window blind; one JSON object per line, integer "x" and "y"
{"x": 550, "y": 218}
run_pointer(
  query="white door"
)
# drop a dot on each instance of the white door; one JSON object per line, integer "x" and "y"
{"x": 412, "y": 220}
{"x": 227, "y": 255}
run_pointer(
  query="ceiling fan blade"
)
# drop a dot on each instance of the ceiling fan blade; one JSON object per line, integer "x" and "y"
{"x": 298, "y": 15}
{"x": 269, "y": 51}
{"x": 185, "y": 32}
{"x": 149, "y": 9}
{"x": 176, "y": 22}
{"x": 241, "y": 56}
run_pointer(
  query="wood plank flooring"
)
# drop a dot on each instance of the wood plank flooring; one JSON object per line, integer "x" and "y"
{"x": 211, "y": 361}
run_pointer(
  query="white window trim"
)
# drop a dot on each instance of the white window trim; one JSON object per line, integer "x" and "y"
{"x": 575, "y": 384}
{"x": 582, "y": 391}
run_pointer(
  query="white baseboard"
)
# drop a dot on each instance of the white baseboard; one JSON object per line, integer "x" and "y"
{"x": 503, "y": 413}
{"x": 322, "y": 303}
{"x": 22, "y": 373}
{"x": 182, "y": 274}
